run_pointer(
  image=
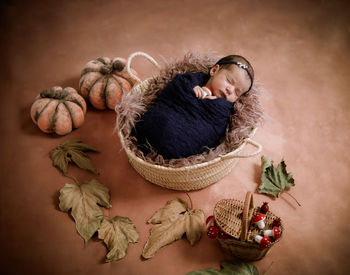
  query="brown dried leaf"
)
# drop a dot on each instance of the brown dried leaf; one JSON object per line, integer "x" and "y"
{"x": 194, "y": 225}
{"x": 172, "y": 208}
{"x": 83, "y": 200}
{"x": 82, "y": 160}
{"x": 163, "y": 234}
{"x": 72, "y": 151}
{"x": 60, "y": 160}
{"x": 79, "y": 145}
{"x": 173, "y": 221}
{"x": 117, "y": 233}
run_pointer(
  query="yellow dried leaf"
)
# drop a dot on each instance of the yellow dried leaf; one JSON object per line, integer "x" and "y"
{"x": 117, "y": 233}
{"x": 173, "y": 221}
{"x": 82, "y": 200}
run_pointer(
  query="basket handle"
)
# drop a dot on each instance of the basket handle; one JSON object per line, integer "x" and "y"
{"x": 132, "y": 56}
{"x": 247, "y": 214}
{"x": 235, "y": 155}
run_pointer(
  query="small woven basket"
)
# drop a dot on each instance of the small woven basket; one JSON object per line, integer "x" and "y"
{"x": 234, "y": 218}
{"x": 186, "y": 178}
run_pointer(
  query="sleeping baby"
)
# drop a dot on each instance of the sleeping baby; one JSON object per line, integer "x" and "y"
{"x": 191, "y": 114}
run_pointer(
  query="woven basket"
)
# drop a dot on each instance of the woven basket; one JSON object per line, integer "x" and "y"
{"x": 186, "y": 178}
{"x": 234, "y": 218}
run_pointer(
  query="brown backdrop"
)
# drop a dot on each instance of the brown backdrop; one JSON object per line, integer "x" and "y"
{"x": 301, "y": 54}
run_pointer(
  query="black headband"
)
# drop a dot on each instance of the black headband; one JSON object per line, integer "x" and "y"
{"x": 241, "y": 65}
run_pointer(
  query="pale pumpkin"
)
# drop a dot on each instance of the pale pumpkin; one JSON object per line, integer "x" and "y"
{"x": 103, "y": 82}
{"x": 58, "y": 110}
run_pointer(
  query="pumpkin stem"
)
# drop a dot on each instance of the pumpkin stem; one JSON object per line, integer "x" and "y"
{"x": 106, "y": 69}
{"x": 56, "y": 94}
{"x": 118, "y": 65}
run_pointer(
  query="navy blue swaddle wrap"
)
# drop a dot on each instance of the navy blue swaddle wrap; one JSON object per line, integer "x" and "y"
{"x": 178, "y": 124}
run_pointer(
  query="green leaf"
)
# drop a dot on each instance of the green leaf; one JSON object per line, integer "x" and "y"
{"x": 274, "y": 180}
{"x": 72, "y": 151}
{"x": 229, "y": 267}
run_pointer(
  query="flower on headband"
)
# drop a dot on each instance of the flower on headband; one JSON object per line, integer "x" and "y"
{"x": 241, "y": 65}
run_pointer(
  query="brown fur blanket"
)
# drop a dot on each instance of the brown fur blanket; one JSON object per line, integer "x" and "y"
{"x": 248, "y": 112}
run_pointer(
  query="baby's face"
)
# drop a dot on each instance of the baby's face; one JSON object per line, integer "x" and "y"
{"x": 228, "y": 83}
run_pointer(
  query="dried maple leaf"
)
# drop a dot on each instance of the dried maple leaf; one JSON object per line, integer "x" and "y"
{"x": 171, "y": 210}
{"x": 229, "y": 267}
{"x": 72, "y": 151}
{"x": 82, "y": 200}
{"x": 117, "y": 233}
{"x": 171, "y": 223}
{"x": 275, "y": 180}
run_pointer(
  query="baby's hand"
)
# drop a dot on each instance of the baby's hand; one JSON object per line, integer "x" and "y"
{"x": 201, "y": 93}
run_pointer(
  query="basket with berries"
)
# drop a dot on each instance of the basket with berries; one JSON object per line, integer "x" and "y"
{"x": 245, "y": 231}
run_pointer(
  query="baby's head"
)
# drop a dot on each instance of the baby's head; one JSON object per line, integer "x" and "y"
{"x": 231, "y": 77}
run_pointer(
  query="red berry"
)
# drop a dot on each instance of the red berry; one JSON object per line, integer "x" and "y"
{"x": 212, "y": 232}
{"x": 264, "y": 208}
{"x": 223, "y": 235}
{"x": 277, "y": 222}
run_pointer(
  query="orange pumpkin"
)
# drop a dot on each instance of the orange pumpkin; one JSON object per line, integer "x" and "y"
{"x": 58, "y": 110}
{"x": 103, "y": 82}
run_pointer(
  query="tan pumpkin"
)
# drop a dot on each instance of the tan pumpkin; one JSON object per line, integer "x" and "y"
{"x": 58, "y": 110}
{"x": 103, "y": 82}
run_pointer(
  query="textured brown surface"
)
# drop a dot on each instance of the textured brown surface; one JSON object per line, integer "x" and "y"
{"x": 301, "y": 54}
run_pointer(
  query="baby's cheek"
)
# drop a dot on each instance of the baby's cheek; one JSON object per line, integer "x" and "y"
{"x": 231, "y": 98}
